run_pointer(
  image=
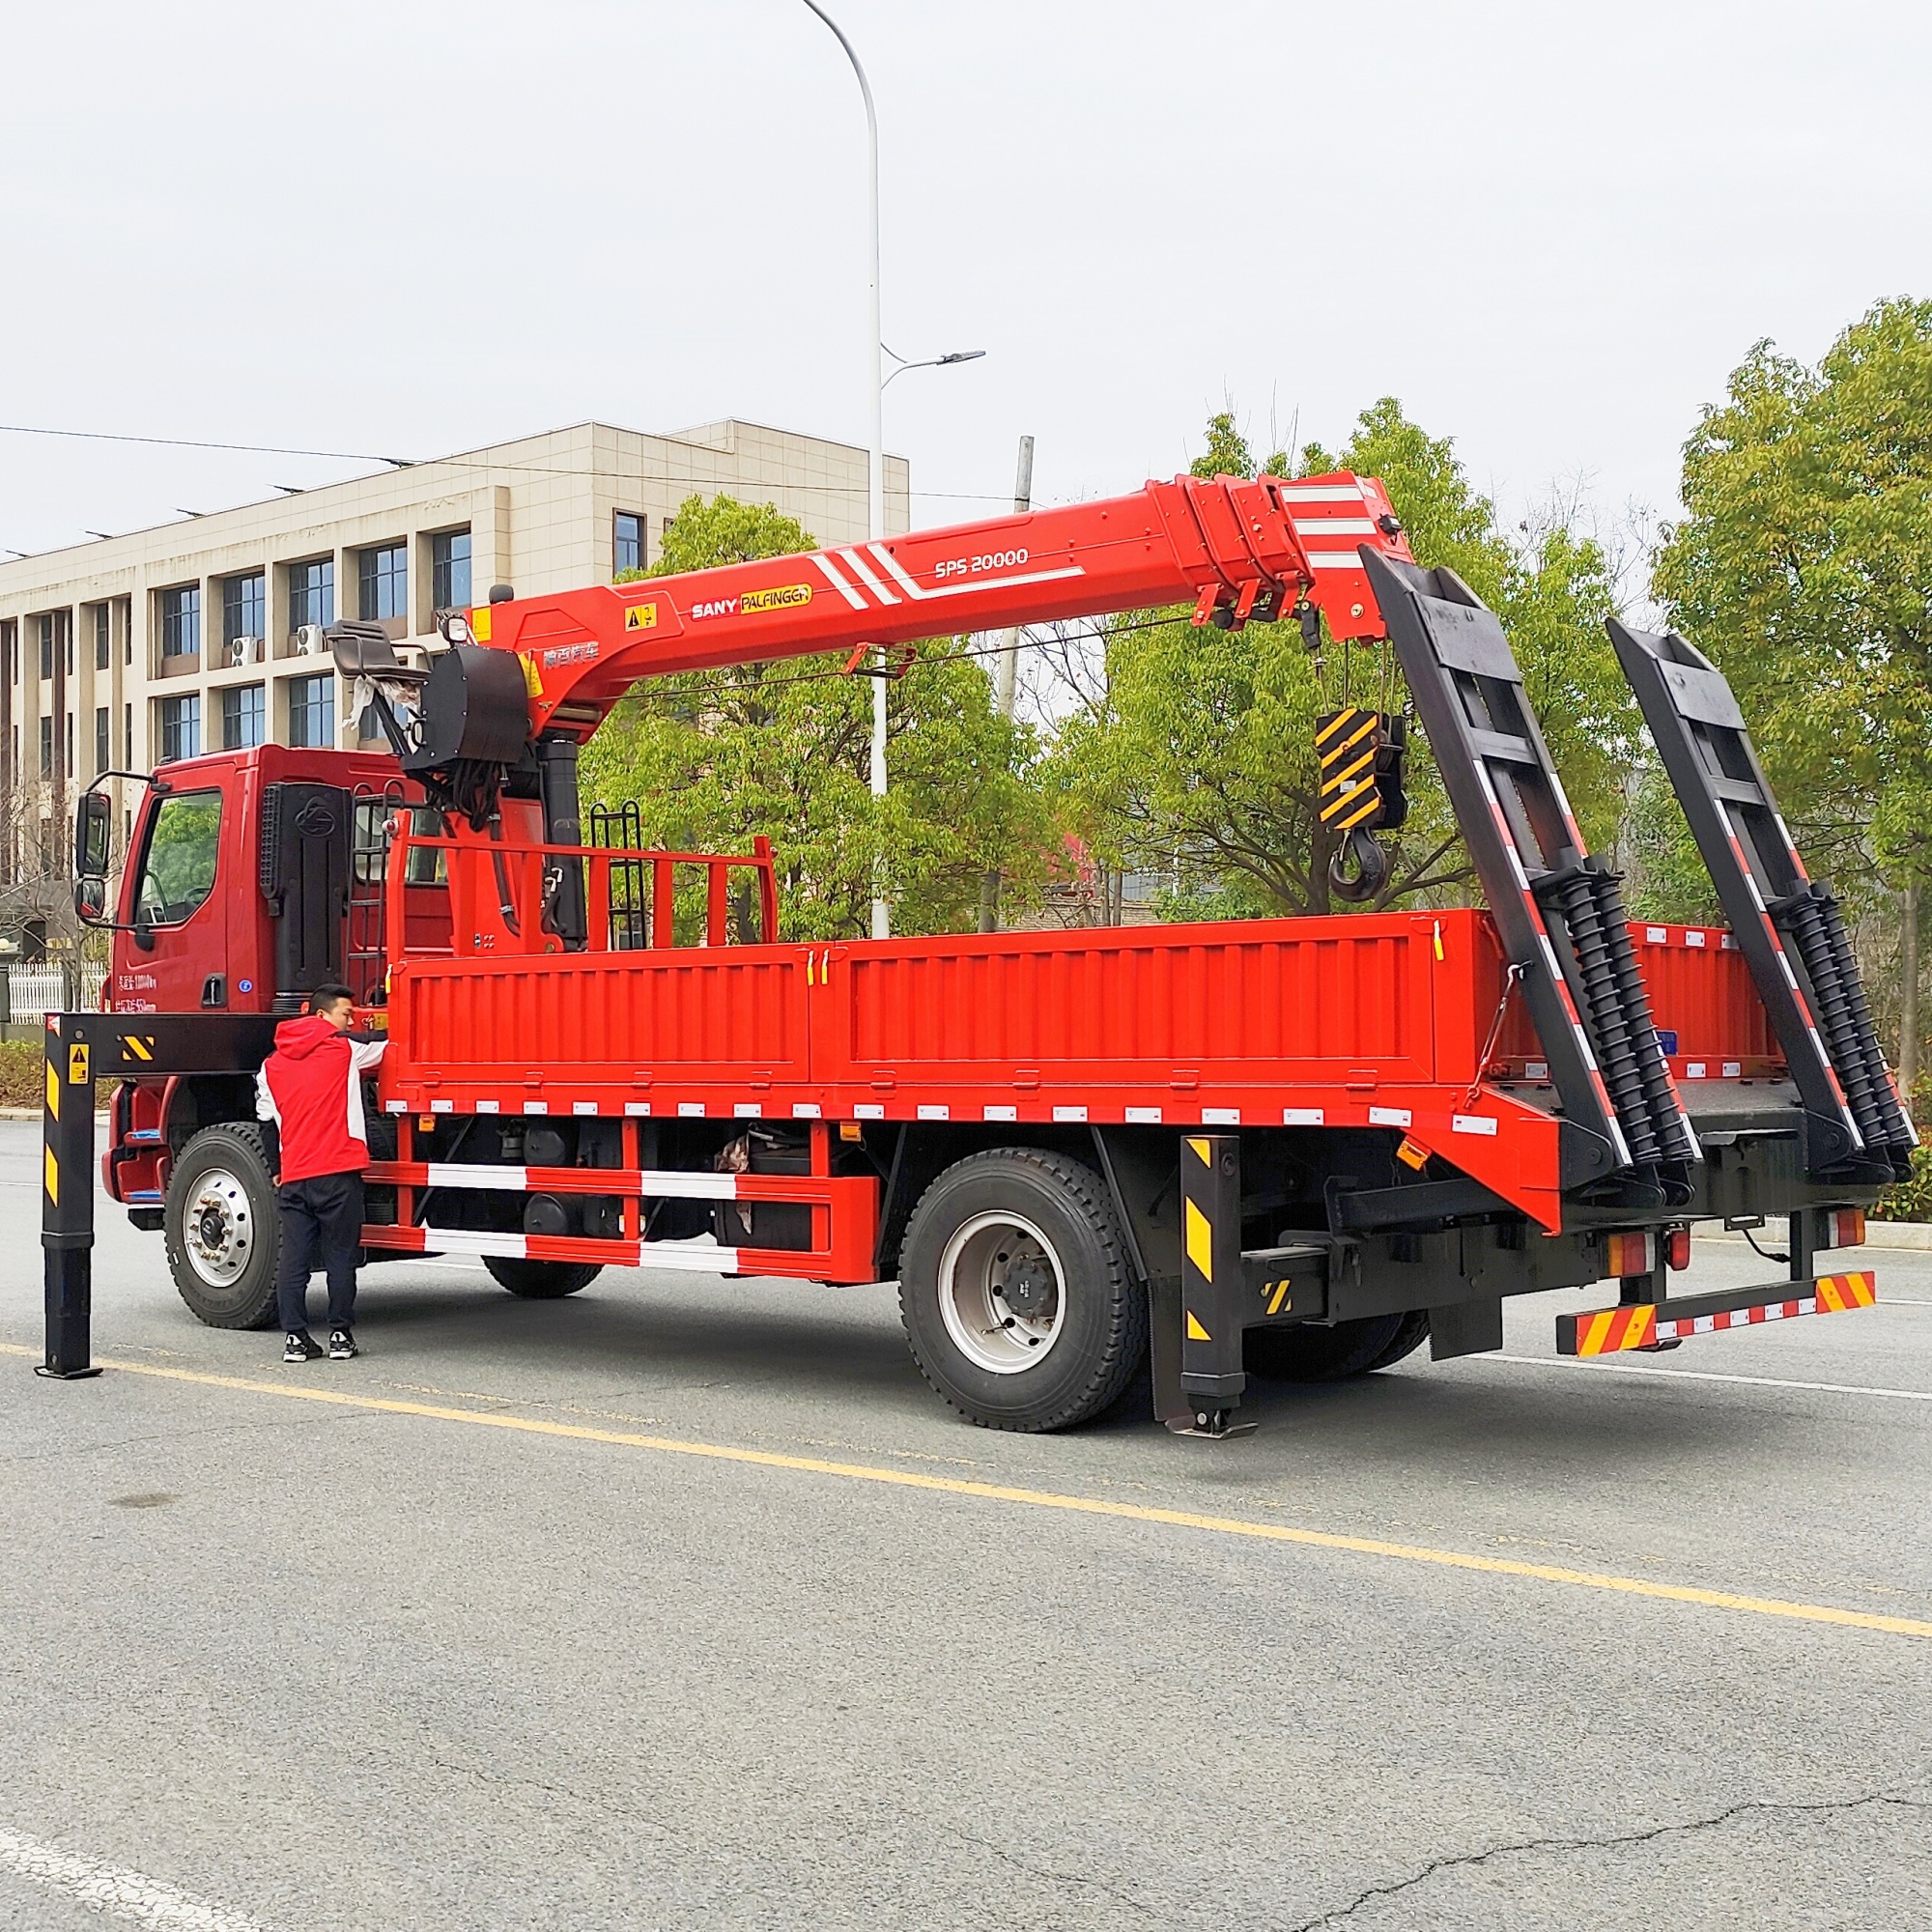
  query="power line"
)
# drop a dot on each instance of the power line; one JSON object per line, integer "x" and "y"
{"x": 419, "y": 462}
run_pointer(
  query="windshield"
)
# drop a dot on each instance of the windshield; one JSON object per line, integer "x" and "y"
{"x": 177, "y": 868}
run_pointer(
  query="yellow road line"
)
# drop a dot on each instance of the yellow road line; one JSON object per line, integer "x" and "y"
{"x": 955, "y": 1486}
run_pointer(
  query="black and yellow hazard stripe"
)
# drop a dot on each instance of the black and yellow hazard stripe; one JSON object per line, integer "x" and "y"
{"x": 1346, "y": 743}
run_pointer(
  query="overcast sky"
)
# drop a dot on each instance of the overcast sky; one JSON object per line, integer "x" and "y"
{"x": 1550, "y": 230}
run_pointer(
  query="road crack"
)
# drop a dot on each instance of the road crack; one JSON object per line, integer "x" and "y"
{"x": 1018, "y": 1864}
{"x": 1468, "y": 1861}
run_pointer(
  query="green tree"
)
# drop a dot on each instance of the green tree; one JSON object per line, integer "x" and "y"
{"x": 1802, "y": 567}
{"x": 1200, "y": 763}
{"x": 712, "y": 758}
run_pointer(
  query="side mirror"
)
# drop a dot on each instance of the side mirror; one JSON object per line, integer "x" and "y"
{"x": 90, "y": 899}
{"x": 93, "y": 835}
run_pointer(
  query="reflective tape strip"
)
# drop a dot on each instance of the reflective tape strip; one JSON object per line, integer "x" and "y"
{"x": 1320, "y": 492}
{"x": 1606, "y": 1330}
{"x": 1323, "y": 560}
{"x": 688, "y": 1257}
{"x": 1333, "y": 526}
{"x": 1144, "y": 1117}
{"x": 668, "y": 1183}
{"x": 1200, "y": 1242}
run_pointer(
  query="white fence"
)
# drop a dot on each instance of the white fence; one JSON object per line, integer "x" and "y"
{"x": 33, "y": 992}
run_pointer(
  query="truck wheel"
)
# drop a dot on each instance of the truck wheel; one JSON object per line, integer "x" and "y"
{"x": 1018, "y": 1302}
{"x": 222, "y": 1231}
{"x": 1337, "y": 1355}
{"x": 541, "y": 1281}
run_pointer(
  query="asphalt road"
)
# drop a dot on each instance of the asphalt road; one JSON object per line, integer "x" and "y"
{"x": 322, "y": 1665}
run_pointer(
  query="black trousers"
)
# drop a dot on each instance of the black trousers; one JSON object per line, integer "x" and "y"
{"x": 322, "y": 1226}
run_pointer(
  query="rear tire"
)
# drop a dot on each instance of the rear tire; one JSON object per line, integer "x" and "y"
{"x": 222, "y": 1227}
{"x": 1018, "y": 1302}
{"x": 541, "y": 1281}
{"x": 1338, "y": 1355}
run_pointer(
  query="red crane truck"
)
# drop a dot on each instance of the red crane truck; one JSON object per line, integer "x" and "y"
{"x": 1291, "y": 1147}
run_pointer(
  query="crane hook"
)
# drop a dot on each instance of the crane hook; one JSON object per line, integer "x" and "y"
{"x": 1371, "y": 867}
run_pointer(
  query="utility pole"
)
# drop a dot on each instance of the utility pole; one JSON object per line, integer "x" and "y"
{"x": 1005, "y": 677}
{"x": 875, "y": 479}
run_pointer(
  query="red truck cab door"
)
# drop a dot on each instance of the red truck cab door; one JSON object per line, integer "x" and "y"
{"x": 176, "y": 897}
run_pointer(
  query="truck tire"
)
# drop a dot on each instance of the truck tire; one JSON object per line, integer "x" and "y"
{"x": 1018, "y": 1302}
{"x": 1337, "y": 1355}
{"x": 223, "y": 1234}
{"x": 541, "y": 1281}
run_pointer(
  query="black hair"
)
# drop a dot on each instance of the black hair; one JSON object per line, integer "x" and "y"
{"x": 324, "y": 997}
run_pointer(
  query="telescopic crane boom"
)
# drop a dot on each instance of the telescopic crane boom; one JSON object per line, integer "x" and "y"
{"x": 552, "y": 667}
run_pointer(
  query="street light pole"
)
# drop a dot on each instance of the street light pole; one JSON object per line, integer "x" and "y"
{"x": 875, "y": 491}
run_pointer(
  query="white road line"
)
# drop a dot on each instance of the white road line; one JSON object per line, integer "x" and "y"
{"x": 1596, "y": 1365}
{"x": 117, "y": 1891}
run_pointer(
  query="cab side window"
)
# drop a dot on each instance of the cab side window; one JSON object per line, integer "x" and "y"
{"x": 178, "y": 867}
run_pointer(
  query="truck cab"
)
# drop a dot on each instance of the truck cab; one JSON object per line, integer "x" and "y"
{"x": 254, "y": 876}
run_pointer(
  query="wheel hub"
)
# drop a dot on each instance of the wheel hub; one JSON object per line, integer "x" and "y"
{"x": 218, "y": 1228}
{"x": 1000, "y": 1293}
{"x": 1029, "y": 1288}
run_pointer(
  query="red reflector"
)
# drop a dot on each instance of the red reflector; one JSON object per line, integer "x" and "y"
{"x": 1848, "y": 1228}
{"x": 1678, "y": 1253}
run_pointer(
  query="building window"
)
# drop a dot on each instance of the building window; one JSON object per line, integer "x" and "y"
{"x": 47, "y": 748}
{"x": 128, "y": 736}
{"x": 103, "y": 635}
{"x": 383, "y": 583}
{"x": 627, "y": 541}
{"x": 312, "y": 711}
{"x": 181, "y": 728}
{"x": 244, "y": 608}
{"x": 244, "y": 717}
{"x": 312, "y": 593}
{"x": 46, "y": 624}
{"x": 68, "y": 769}
{"x": 10, "y": 648}
{"x": 180, "y": 622}
{"x": 449, "y": 570}
{"x": 103, "y": 750}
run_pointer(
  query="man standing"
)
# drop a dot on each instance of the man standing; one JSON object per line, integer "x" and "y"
{"x": 311, "y": 1087}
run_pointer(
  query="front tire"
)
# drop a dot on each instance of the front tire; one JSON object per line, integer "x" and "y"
{"x": 1018, "y": 1302}
{"x": 223, "y": 1233}
{"x": 541, "y": 1281}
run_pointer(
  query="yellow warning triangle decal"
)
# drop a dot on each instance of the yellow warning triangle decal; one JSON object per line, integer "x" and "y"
{"x": 1195, "y": 1331}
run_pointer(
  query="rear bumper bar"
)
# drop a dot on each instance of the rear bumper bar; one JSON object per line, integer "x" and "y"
{"x": 1645, "y": 1324}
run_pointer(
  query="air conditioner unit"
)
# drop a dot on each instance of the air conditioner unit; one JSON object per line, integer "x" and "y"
{"x": 309, "y": 643}
{"x": 245, "y": 650}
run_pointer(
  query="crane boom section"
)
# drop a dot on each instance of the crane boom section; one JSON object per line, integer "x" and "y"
{"x": 1233, "y": 548}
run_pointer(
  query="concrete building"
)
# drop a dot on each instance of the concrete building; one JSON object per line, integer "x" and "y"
{"x": 129, "y": 651}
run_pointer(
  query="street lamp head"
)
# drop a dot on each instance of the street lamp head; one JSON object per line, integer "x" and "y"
{"x": 961, "y": 355}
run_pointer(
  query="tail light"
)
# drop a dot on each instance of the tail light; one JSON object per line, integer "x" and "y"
{"x": 1845, "y": 1227}
{"x": 1677, "y": 1248}
{"x": 1626, "y": 1254}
